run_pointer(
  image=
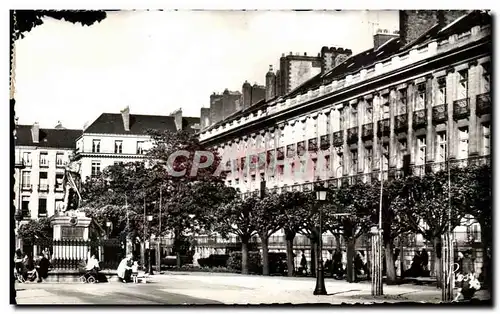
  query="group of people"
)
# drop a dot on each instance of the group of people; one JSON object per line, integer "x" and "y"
{"x": 337, "y": 264}
{"x": 31, "y": 269}
{"x": 128, "y": 269}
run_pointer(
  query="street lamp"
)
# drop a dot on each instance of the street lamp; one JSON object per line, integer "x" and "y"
{"x": 320, "y": 279}
{"x": 150, "y": 270}
{"x": 108, "y": 227}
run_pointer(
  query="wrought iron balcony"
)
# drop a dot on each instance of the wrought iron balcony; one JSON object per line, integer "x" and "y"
{"x": 367, "y": 131}
{"x": 420, "y": 118}
{"x": 352, "y": 135}
{"x": 301, "y": 148}
{"x": 483, "y": 104}
{"x": 26, "y": 187}
{"x": 290, "y": 151}
{"x": 325, "y": 142}
{"x": 383, "y": 127}
{"x": 43, "y": 188}
{"x": 338, "y": 138}
{"x": 401, "y": 122}
{"x": 280, "y": 153}
{"x": 44, "y": 163}
{"x": 461, "y": 108}
{"x": 440, "y": 113}
{"x": 312, "y": 145}
{"x": 61, "y": 164}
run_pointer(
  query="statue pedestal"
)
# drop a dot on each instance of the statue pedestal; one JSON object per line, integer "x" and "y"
{"x": 71, "y": 234}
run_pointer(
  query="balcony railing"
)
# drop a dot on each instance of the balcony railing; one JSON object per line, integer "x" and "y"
{"x": 383, "y": 127}
{"x": 367, "y": 131}
{"x": 461, "y": 108}
{"x": 338, "y": 138}
{"x": 352, "y": 135}
{"x": 483, "y": 104}
{"x": 325, "y": 142}
{"x": 301, "y": 148}
{"x": 420, "y": 118}
{"x": 440, "y": 113}
{"x": 43, "y": 188}
{"x": 290, "y": 151}
{"x": 26, "y": 187}
{"x": 401, "y": 122}
{"x": 44, "y": 163}
{"x": 312, "y": 145}
{"x": 61, "y": 164}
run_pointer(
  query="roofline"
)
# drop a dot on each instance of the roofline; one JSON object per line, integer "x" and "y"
{"x": 42, "y": 147}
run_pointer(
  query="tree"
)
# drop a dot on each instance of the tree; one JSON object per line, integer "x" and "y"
{"x": 296, "y": 211}
{"x": 35, "y": 229}
{"x": 236, "y": 217}
{"x": 429, "y": 202}
{"x": 267, "y": 218}
{"x": 349, "y": 208}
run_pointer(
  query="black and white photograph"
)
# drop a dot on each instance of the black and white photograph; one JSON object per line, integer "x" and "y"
{"x": 195, "y": 157}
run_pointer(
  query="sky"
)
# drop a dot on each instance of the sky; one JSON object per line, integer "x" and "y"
{"x": 158, "y": 61}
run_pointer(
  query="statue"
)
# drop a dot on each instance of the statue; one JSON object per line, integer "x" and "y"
{"x": 72, "y": 196}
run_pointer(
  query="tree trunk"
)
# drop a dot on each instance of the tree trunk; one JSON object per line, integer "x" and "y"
{"x": 389, "y": 262}
{"x": 177, "y": 239}
{"x": 289, "y": 236}
{"x": 244, "y": 256}
{"x": 351, "y": 248}
{"x": 438, "y": 269}
{"x": 338, "y": 242}
{"x": 313, "y": 258}
{"x": 487, "y": 272}
{"x": 264, "y": 239}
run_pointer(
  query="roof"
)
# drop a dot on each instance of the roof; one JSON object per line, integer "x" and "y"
{"x": 112, "y": 123}
{"x": 50, "y": 138}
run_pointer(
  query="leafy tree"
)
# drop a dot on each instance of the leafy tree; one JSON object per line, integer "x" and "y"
{"x": 429, "y": 202}
{"x": 349, "y": 209}
{"x": 267, "y": 219}
{"x": 35, "y": 229}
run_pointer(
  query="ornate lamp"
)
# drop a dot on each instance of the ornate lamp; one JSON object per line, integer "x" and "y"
{"x": 320, "y": 279}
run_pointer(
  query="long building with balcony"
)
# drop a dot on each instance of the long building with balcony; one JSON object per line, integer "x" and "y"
{"x": 423, "y": 92}
{"x": 41, "y": 156}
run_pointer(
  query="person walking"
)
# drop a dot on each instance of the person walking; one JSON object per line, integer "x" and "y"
{"x": 467, "y": 264}
{"x": 424, "y": 258}
{"x": 303, "y": 263}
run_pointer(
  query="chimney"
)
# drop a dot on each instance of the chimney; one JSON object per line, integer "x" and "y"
{"x": 331, "y": 57}
{"x": 126, "y": 118}
{"x": 270, "y": 84}
{"x": 381, "y": 37}
{"x": 205, "y": 117}
{"x": 178, "y": 118}
{"x": 35, "y": 133}
{"x": 246, "y": 95}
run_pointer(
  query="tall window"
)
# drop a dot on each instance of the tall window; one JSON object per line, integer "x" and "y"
{"x": 340, "y": 164}
{"x": 441, "y": 91}
{"x": 42, "y": 207}
{"x": 26, "y": 179}
{"x": 44, "y": 182}
{"x": 403, "y": 95}
{"x": 354, "y": 115}
{"x": 463, "y": 86}
{"x": 402, "y": 150}
{"x": 385, "y": 106}
{"x": 59, "y": 159}
{"x": 385, "y": 156}
{"x": 96, "y": 146}
{"x": 354, "y": 160}
{"x": 25, "y": 204}
{"x": 140, "y": 147}
{"x": 59, "y": 181}
{"x": 421, "y": 150}
{"x": 441, "y": 152}
{"x": 463, "y": 143}
{"x": 486, "y": 80}
{"x": 96, "y": 168}
{"x": 421, "y": 90}
{"x": 342, "y": 118}
{"x": 368, "y": 159}
{"x": 44, "y": 159}
{"x": 118, "y": 147}
{"x": 486, "y": 139}
{"x": 27, "y": 158}
{"x": 369, "y": 111}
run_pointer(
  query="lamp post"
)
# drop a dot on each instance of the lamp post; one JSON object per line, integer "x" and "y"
{"x": 447, "y": 248}
{"x": 320, "y": 279}
{"x": 150, "y": 269}
{"x": 108, "y": 228}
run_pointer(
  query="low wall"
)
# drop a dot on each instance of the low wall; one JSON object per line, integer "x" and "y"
{"x": 74, "y": 275}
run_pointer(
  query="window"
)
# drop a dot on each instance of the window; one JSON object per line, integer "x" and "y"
{"x": 368, "y": 159}
{"x": 341, "y": 119}
{"x": 486, "y": 80}
{"x": 25, "y": 203}
{"x": 403, "y": 94}
{"x": 59, "y": 181}
{"x": 27, "y": 158}
{"x": 44, "y": 183}
{"x": 385, "y": 156}
{"x": 44, "y": 160}
{"x": 140, "y": 147}
{"x": 463, "y": 143}
{"x": 486, "y": 139}
{"x": 96, "y": 168}
{"x": 340, "y": 164}
{"x": 441, "y": 91}
{"x": 420, "y": 104}
{"x": 96, "y": 146}
{"x": 441, "y": 152}
{"x": 402, "y": 149}
{"x": 354, "y": 160}
{"x": 369, "y": 111}
{"x": 421, "y": 150}
{"x": 117, "y": 163}
{"x": 59, "y": 159}
{"x": 118, "y": 147}
{"x": 42, "y": 207}
{"x": 463, "y": 86}
{"x": 26, "y": 180}
{"x": 385, "y": 107}
{"x": 354, "y": 115}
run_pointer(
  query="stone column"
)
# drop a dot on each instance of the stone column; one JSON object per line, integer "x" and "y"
{"x": 451, "y": 91}
{"x": 393, "y": 103}
{"x": 376, "y": 142}
{"x": 474, "y": 90}
{"x": 430, "y": 102}
{"x": 411, "y": 142}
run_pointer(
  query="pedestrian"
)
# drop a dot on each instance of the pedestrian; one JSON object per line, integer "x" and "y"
{"x": 337, "y": 263}
{"x": 124, "y": 270}
{"x": 459, "y": 261}
{"x": 18, "y": 261}
{"x": 344, "y": 262}
{"x": 303, "y": 263}
{"x": 424, "y": 258}
{"x": 92, "y": 267}
{"x": 467, "y": 264}
{"x": 42, "y": 267}
{"x": 135, "y": 271}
